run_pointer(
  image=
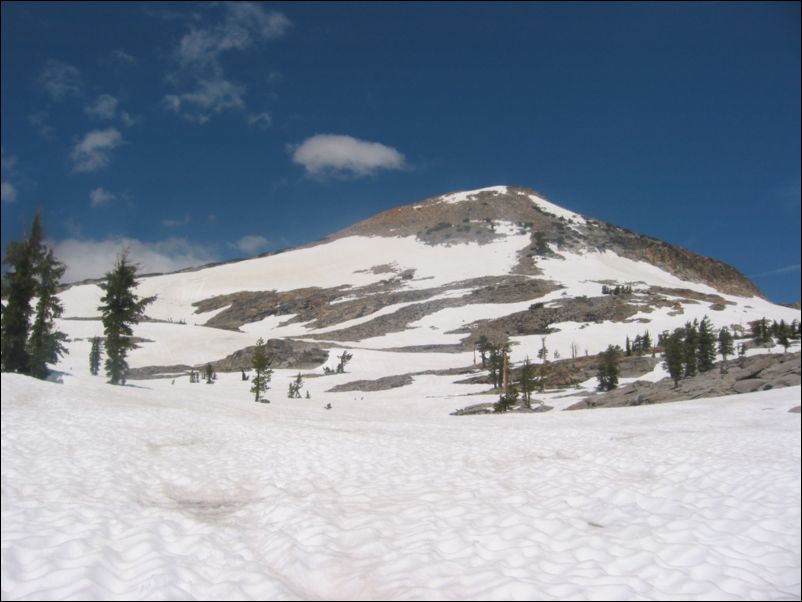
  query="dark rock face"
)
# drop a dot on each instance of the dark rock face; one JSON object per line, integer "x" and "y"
{"x": 286, "y": 353}
{"x": 380, "y": 384}
{"x": 757, "y": 373}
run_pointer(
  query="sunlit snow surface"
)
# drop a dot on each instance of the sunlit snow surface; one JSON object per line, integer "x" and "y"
{"x": 192, "y": 491}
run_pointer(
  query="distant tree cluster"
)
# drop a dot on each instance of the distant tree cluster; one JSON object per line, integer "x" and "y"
{"x": 765, "y": 334}
{"x": 294, "y": 391}
{"x": 692, "y": 349}
{"x": 24, "y": 347}
{"x": 616, "y": 290}
{"x": 640, "y": 345}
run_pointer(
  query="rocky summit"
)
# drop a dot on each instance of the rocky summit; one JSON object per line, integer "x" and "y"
{"x": 411, "y": 291}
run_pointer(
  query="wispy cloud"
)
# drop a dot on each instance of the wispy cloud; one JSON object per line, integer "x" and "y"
{"x": 244, "y": 25}
{"x": 93, "y": 152}
{"x": 209, "y": 97}
{"x": 330, "y": 154}
{"x": 776, "y": 272}
{"x": 262, "y": 120}
{"x": 251, "y": 244}
{"x": 175, "y": 223}
{"x": 121, "y": 56}
{"x": 99, "y": 197}
{"x": 8, "y": 192}
{"x": 93, "y": 258}
{"x": 103, "y": 107}
{"x": 39, "y": 121}
{"x": 60, "y": 79}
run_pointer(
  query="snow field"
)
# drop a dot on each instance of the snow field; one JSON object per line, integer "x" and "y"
{"x": 194, "y": 491}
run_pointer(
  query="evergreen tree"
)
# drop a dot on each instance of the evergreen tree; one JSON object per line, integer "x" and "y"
{"x": 628, "y": 348}
{"x": 244, "y": 376}
{"x": 506, "y": 400}
{"x": 344, "y": 359}
{"x": 706, "y": 346}
{"x": 23, "y": 257}
{"x": 674, "y": 350}
{"x": 94, "y": 356}
{"x": 262, "y": 373}
{"x": 483, "y": 345}
{"x": 527, "y": 382}
{"x": 689, "y": 348}
{"x": 294, "y": 390}
{"x": 46, "y": 344}
{"x": 783, "y": 337}
{"x": 209, "y": 374}
{"x": 725, "y": 340}
{"x": 120, "y": 308}
{"x": 761, "y": 332}
{"x": 608, "y": 368}
{"x": 646, "y": 342}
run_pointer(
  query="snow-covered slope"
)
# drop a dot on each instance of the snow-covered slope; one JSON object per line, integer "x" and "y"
{"x": 440, "y": 272}
{"x": 194, "y": 492}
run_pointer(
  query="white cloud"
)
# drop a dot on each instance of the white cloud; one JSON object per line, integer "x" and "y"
{"x": 60, "y": 79}
{"x": 93, "y": 258}
{"x": 252, "y": 244}
{"x": 104, "y": 107}
{"x": 332, "y": 154}
{"x": 175, "y": 223}
{"x": 8, "y": 194}
{"x": 244, "y": 26}
{"x": 262, "y": 120}
{"x": 93, "y": 152}
{"x": 210, "y": 96}
{"x": 123, "y": 57}
{"x": 99, "y": 197}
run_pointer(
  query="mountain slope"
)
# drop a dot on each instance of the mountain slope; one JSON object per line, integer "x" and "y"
{"x": 432, "y": 277}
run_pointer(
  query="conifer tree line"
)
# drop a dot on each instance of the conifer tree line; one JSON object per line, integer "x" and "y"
{"x": 616, "y": 290}
{"x": 26, "y": 347}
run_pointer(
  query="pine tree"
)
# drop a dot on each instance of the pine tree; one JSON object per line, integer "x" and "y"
{"x": 209, "y": 374}
{"x": 506, "y": 400}
{"x": 344, "y": 359}
{"x": 294, "y": 390}
{"x": 23, "y": 257}
{"x": 608, "y": 368}
{"x": 761, "y": 332}
{"x": 120, "y": 308}
{"x": 646, "y": 342}
{"x": 527, "y": 382}
{"x": 725, "y": 339}
{"x": 628, "y": 348}
{"x": 706, "y": 346}
{"x": 483, "y": 345}
{"x": 94, "y": 356}
{"x": 689, "y": 347}
{"x": 262, "y": 373}
{"x": 674, "y": 350}
{"x": 46, "y": 344}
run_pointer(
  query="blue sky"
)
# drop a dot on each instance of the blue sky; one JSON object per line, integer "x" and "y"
{"x": 201, "y": 132}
